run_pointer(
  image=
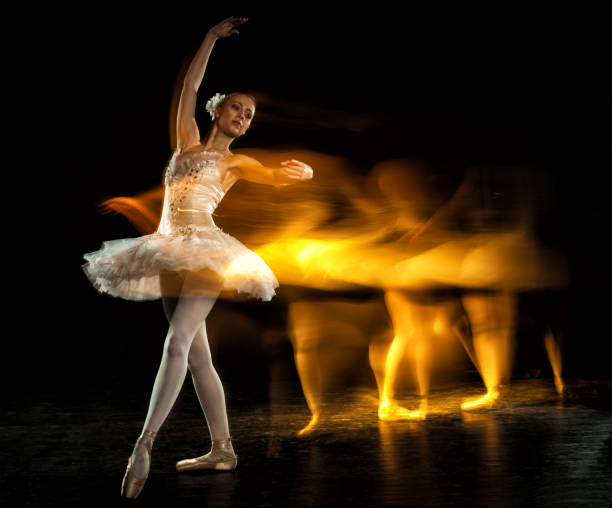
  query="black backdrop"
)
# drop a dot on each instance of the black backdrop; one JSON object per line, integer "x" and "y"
{"x": 88, "y": 96}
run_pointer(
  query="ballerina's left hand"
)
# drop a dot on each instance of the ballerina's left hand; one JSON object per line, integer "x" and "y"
{"x": 297, "y": 170}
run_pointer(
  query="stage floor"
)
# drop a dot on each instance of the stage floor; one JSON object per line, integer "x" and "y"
{"x": 532, "y": 449}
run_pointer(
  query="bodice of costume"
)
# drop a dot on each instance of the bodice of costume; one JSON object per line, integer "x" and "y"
{"x": 193, "y": 191}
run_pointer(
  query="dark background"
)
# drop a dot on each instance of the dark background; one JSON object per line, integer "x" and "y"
{"x": 88, "y": 96}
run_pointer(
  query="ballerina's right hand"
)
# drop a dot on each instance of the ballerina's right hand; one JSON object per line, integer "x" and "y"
{"x": 226, "y": 27}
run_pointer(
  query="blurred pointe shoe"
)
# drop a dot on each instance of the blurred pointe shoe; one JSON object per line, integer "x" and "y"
{"x": 221, "y": 457}
{"x": 390, "y": 410}
{"x": 133, "y": 485}
{"x": 485, "y": 402}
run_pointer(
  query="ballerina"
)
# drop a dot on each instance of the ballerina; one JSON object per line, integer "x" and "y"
{"x": 189, "y": 260}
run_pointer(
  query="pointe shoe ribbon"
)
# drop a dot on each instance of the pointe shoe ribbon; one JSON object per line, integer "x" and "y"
{"x": 221, "y": 457}
{"x": 131, "y": 486}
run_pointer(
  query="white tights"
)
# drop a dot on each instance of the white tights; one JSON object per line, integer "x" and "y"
{"x": 186, "y": 347}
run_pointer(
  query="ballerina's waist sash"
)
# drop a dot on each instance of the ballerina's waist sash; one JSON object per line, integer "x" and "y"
{"x": 193, "y": 217}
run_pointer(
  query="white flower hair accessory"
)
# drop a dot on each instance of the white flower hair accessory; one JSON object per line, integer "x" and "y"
{"x": 212, "y": 104}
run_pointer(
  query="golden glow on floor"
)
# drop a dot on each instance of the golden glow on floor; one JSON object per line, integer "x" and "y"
{"x": 360, "y": 408}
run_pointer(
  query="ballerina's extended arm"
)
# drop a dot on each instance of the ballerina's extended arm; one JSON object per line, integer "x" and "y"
{"x": 252, "y": 170}
{"x": 187, "y": 130}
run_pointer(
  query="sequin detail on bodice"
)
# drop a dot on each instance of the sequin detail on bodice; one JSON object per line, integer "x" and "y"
{"x": 193, "y": 191}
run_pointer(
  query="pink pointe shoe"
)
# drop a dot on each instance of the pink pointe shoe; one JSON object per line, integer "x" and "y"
{"x": 132, "y": 485}
{"x": 221, "y": 457}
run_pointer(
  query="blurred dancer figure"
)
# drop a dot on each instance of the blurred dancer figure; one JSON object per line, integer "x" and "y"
{"x": 499, "y": 257}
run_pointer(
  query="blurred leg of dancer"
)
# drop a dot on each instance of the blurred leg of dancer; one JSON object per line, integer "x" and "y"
{"x": 305, "y": 338}
{"x": 403, "y": 329}
{"x": 414, "y": 319}
{"x": 187, "y": 315}
{"x": 556, "y": 316}
{"x": 492, "y": 320}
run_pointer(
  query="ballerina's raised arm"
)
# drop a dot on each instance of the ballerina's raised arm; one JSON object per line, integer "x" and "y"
{"x": 187, "y": 130}
{"x": 231, "y": 121}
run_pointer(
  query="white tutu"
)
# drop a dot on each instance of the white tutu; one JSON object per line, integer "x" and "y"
{"x": 129, "y": 268}
{"x": 186, "y": 240}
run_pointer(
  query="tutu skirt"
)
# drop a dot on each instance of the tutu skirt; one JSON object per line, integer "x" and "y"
{"x": 130, "y": 268}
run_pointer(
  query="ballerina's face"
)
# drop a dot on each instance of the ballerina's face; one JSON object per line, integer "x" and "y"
{"x": 236, "y": 114}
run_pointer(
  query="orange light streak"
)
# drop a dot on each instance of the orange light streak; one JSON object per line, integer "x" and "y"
{"x": 390, "y": 230}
